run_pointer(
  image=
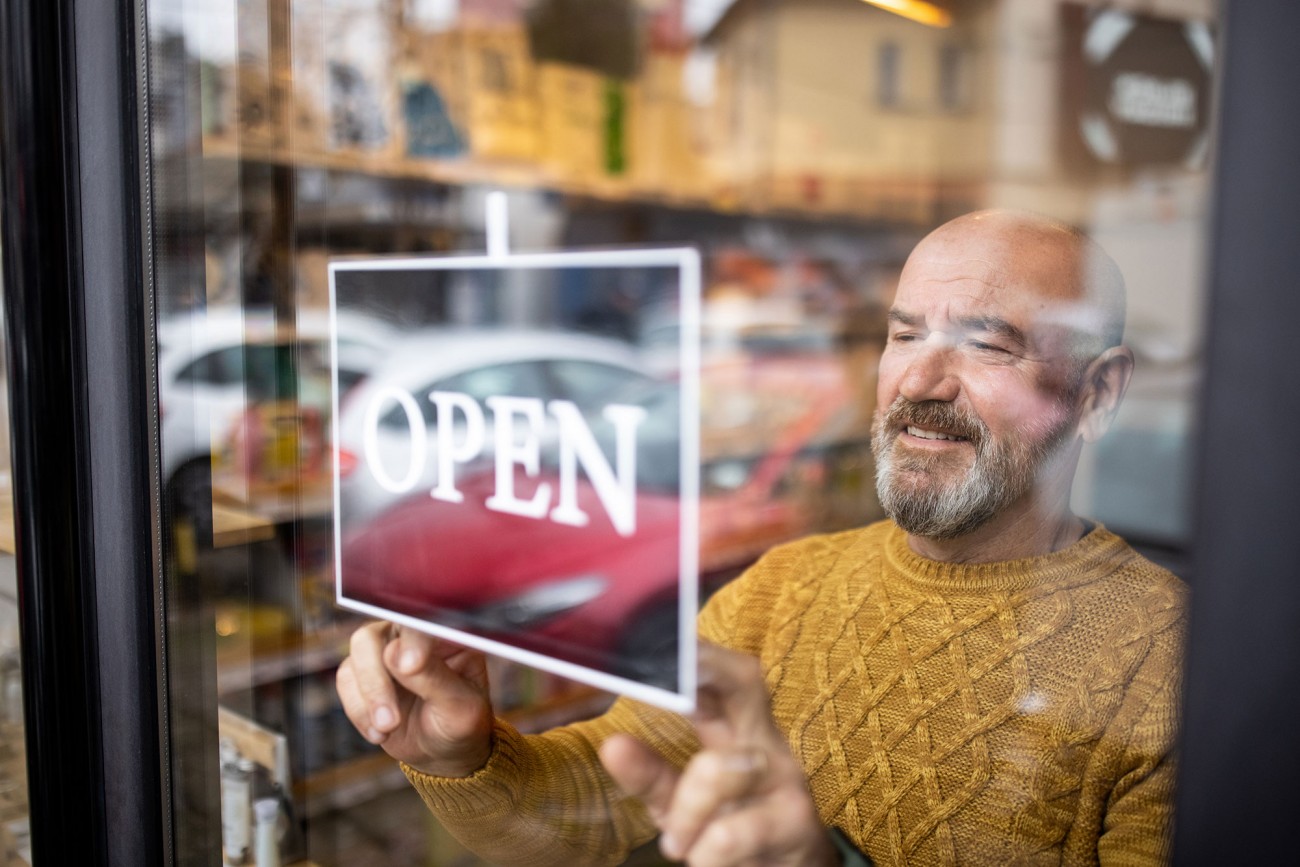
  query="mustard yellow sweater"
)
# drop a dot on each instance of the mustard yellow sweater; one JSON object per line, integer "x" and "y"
{"x": 1006, "y": 713}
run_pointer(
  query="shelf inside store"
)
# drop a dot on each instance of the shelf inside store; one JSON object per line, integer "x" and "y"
{"x": 609, "y": 190}
{"x": 281, "y": 657}
{"x": 458, "y": 172}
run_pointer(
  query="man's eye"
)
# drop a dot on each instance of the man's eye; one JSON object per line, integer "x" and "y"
{"x": 903, "y": 337}
{"x": 986, "y": 347}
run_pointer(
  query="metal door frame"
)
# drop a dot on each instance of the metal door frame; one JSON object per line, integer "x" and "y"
{"x": 85, "y": 490}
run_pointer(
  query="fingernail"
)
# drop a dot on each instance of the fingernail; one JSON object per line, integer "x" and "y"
{"x": 383, "y": 718}
{"x": 409, "y": 662}
{"x": 374, "y": 735}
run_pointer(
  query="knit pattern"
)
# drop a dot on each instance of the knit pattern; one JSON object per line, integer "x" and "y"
{"x": 1007, "y": 713}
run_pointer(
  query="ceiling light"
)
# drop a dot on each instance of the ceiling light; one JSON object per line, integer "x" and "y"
{"x": 916, "y": 10}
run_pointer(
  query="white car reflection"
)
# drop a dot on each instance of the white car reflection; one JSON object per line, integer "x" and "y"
{"x": 214, "y": 365}
{"x": 479, "y": 363}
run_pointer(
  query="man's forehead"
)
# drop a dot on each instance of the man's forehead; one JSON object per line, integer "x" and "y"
{"x": 944, "y": 291}
{"x": 1029, "y": 270}
{"x": 1000, "y": 252}
{"x": 945, "y": 275}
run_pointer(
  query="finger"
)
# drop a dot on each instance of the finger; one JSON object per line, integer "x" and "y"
{"x": 732, "y": 701}
{"x": 415, "y": 663}
{"x": 354, "y": 705}
{"x": 471, "y": 665}
{"x": 414, "y": 649}
{"x": 371, "y": 679}
{"x": 738, "y": 838}
{"x": 714, "y": 782}
{"x": 760, "y": 835}
{"x": 640, "y": 772}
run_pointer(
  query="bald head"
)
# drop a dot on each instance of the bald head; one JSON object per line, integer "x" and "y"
{"x": 1075, "y": 282}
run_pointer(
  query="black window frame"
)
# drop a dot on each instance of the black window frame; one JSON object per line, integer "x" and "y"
{"x": 80, "y": 348}
{"x": 82, "y": 412}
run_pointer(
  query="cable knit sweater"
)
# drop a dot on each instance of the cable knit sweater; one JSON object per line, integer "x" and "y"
{"x": 1021, "y": 712}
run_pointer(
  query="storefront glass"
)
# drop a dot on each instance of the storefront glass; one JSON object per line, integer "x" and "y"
{"x": 14, "y": 847}
{"x": 801, "y": 149}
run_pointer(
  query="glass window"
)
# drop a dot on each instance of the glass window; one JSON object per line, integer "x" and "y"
{"x": 591, "y": 385}
{"x": 292, "y": 141}
{"x": 954, "y": 72}
{"x": 889, "y": 75}
{"x": 15, "y": 846}
{"x": 519, "y": 379}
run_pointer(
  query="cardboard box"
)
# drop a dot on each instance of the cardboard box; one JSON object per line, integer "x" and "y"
{"x": 500, "y": 99}
{"x": 573, "y": 121}
{"x": 359, "y": 46}
{"x": 432, "y": 92}
{"x": 665, "y": 154}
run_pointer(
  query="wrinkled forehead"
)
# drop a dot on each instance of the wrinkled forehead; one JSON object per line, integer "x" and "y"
{"x": 1036, "y": 290}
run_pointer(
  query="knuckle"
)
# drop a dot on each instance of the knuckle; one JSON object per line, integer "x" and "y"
{"x": 364, "y": 637}
{"x": 374, "y": 690}
{"x": 707, "y": 770}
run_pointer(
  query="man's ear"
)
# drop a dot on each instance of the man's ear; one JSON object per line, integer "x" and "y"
{"x": 1104, "y": 384}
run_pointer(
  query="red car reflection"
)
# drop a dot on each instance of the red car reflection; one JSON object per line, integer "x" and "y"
{"x": 570, "y": 592}
{"x": 591, "y": 596}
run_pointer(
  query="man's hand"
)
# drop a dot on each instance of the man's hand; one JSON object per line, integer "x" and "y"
{"x": 425, "y": 701}
{"x": 743, "y": 798}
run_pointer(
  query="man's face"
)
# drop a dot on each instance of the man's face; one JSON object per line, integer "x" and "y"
{"x": 977, "y": 390}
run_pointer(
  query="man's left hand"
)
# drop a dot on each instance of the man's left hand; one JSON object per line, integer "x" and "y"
{"x": 743, "y": 798}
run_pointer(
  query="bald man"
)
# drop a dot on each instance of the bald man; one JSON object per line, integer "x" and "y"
{"x": 984, "y": 678}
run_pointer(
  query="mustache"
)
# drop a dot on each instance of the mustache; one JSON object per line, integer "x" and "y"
{"x": 934, "y": 414}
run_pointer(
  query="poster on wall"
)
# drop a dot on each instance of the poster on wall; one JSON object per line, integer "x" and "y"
{"x": 1135, "y": 89}
{"x": 519, "y": 472}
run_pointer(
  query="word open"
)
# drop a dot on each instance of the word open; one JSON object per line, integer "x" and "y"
{"x": 518, "y": 426}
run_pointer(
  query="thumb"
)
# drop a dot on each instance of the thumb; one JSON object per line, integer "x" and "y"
{"x": 428, "y": 676}
{"x": 640, "y": 772}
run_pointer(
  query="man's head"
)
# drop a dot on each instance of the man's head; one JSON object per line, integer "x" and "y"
{"x": 1003, "y": 357}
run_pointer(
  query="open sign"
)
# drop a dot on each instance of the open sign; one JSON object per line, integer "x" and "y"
{"x": 519, "y": 472}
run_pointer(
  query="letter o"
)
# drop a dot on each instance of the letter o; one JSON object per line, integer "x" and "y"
{"x": 415, "y": 427}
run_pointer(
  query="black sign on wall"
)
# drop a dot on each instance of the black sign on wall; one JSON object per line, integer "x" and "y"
{"x": 1136, "y": 89}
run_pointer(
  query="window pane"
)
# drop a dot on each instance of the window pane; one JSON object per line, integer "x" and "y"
{"x": 803, "y": 150}
{"x": 15, "y": 846}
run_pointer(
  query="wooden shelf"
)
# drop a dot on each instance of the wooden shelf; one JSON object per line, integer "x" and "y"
{"x": 7, "y": 516}
{"x": 348, "y": 783}
{"x": 611, "y": 190}
{"x": 283, "y": 657}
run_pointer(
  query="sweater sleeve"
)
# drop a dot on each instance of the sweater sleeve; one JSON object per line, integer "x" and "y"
{"x": 545, "y": 799}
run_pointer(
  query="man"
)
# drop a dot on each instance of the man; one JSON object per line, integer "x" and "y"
{"x": 984, "y": 679}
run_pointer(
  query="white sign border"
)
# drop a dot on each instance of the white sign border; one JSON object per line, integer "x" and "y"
{"x": 687, "y": 261}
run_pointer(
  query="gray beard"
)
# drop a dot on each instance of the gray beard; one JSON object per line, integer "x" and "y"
{"x": 1002, "y": 473}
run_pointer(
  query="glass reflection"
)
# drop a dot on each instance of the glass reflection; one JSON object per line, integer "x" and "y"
{"x": 15, "y": 846}
{"x": 803, "y": 147}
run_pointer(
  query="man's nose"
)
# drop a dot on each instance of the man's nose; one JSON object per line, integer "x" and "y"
{"x": 929, "y": 374}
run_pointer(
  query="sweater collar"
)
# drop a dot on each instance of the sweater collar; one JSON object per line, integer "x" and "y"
{"x": 1098, "y": 552}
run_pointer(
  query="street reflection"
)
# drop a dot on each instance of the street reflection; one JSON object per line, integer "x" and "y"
{"x": 803, "y": 148}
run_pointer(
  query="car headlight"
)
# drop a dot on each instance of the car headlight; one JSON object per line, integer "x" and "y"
{"x": 540, "y": 603}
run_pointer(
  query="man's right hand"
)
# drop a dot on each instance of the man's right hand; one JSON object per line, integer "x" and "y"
{"x": 424, "y": 700}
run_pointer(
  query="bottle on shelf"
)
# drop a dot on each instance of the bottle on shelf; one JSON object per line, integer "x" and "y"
{"x": 236, "y": 804}
{"x": 267, "y": 836}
